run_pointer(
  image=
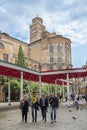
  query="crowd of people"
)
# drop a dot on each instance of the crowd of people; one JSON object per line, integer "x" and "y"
{"x": 41, "y": 104}
{"x": 77, "y": 97}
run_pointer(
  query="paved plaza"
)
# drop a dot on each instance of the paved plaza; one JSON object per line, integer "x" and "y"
{"x": 11, "y": 120}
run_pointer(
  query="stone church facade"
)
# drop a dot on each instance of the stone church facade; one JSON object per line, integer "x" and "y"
{"x": 46, "y": 51}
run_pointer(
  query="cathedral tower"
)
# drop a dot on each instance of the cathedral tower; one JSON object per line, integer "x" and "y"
{"x": 36, "y": 29}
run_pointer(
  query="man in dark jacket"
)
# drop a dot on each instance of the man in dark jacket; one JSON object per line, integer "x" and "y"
{"x": 54, "y": 104}
{"x": 24, "y": 108}
{"x": 43, "y": 105}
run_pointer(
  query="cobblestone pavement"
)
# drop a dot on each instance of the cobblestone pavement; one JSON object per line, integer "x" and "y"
{"x": 6, "y": 106}
{"x": 11, "y": 120}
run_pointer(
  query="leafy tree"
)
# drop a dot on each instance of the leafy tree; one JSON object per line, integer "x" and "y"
{"x": 52, "y": 88}
{"x": 45, "y": 88}
{"x": 34, "y": 86}
{"x": 25, "y": 86}
{"x": 15, "y": 85}
{"x": 15, "y": 89}
{"x": 21, "y": 57}
{"x": 3, "y": 80}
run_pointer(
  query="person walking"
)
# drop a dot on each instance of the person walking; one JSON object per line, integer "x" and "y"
{"x": 76, "y": 101}
{"x": 34, "y": 106}
{"x": 24, "y": 108}
{"x": 85, "y": 100}
{"x": 54, "y": 104}
{"x": 73, "y": 98}
{"x": 43, "y": 105}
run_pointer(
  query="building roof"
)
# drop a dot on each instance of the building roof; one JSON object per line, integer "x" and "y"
{"x": 15, "y": 39}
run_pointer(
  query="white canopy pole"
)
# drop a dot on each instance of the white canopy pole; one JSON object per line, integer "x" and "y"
{"x": 9, "y": 93}
{"x": 21, "y": 89}
{"x": 63, "y": 90}
{"x": 56, "y": 87}
{"x": 48, "y": 90}
{"x": 84, "y": 85}
{"x": 29, "y": 92}
{"x": 68, "y": 90}
{"x": 40, "y": 85}
{"x": 60, "y": 90}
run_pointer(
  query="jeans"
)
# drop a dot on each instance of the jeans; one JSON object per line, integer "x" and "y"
{"x": 77, "y": 105}
{"x": 34, "y": 113}
{"x": 53, "y": 113}
{"x": 43, "y": 111}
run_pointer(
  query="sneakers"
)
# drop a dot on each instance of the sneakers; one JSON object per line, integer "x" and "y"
{"x": 34, "y": 120}
{"x": 51, "y": 122}
{"x": 45, "y": 120}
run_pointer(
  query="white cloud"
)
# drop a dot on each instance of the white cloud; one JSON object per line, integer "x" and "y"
{"x": 68, "y": 2}
{"x": 2, "y": 10}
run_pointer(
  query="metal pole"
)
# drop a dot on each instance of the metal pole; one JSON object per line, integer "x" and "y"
{"x": 21, "y": 89}
{"x": 63, "y": 90}
{"x": 84, "y": 85}
{"x": 9, "y": 93}
{"x": 60, "y": 91}
{"x": 55, "y": 87}
{"x": 68, "y": 90}
{"x": 48, "y": 90}
{"x": 75, "y": 86}
{"x": 28, "y": 87}
{"x": 40, "y": 85}
{"x": 29, "y": 91}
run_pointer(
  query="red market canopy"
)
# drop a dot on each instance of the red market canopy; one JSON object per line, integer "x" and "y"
{"x": 51, "y": 76}
{"x": 11, "y": 70}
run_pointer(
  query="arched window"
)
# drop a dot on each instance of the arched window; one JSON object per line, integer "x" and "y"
{"x": 51, "y": 59}
{"x": 1, "y": 45}
{"x": 50, "y": 47}
{"x": 5, "y": 57}
{"x": 59, "y": 47}
{"x": 66, "y": 52}
{"x": 66, "y": 48}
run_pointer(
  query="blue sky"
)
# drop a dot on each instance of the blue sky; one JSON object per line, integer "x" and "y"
{"x": 65, "y": 17}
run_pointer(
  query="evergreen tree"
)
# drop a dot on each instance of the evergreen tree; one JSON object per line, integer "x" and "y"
{"x": 21, "y": 57}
